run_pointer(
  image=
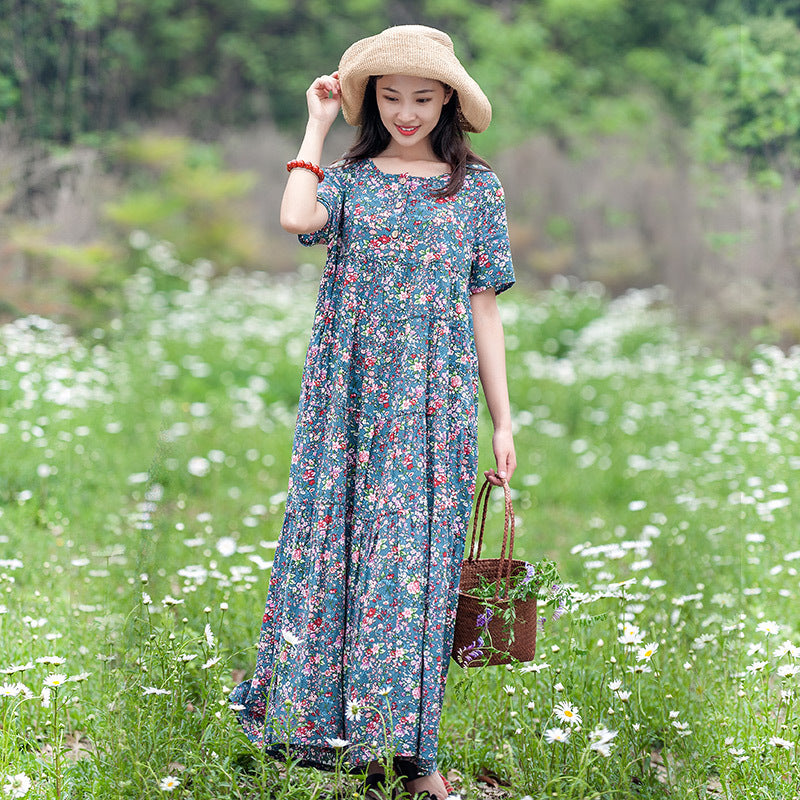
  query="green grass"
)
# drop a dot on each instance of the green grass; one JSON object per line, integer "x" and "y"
{"x": 149, "y": 461}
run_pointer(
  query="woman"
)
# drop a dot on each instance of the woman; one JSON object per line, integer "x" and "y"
{"x": 358, "y": 627}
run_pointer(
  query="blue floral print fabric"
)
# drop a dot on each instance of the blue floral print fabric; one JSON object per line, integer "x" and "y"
{"x": 358, "y": 625}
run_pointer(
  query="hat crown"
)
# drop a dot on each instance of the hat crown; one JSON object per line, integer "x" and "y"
{"x": 416, "y": 50}
{"x": 412, "y": 31}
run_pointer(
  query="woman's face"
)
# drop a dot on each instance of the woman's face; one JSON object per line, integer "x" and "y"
{"x": 410, "y": 107}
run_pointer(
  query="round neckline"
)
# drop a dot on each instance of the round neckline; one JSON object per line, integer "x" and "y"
{"x": 406, "y": 174}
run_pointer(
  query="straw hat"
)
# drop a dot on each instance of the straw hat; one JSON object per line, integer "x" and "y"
{"x": 410, "y": 50}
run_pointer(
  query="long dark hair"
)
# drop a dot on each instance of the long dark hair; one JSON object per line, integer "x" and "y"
{"x": 450, "y": 143}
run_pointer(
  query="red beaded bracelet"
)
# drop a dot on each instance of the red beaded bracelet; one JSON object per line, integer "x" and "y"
{"x": 306, "y": 165}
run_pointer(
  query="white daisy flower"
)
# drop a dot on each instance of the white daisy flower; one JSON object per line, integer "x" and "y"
{"x": 290, "y": 638}
{"x": 631, "y": 635}
{"x": 169, "y": 600}
{"x": 337, "y": 742}
{"x": 16, "y": 786}
{"x": 352, "y": 710}
{"x": 788, "y": 670}
{"x": 17, "y": 668}
{"x": 187, "y": 657}
{"x": 568, "y": 713}
{"x": 534, "y": 667}
{"x": 209, "y": 634}
{"x": 9, "y": 690}
{"x": 776, "y": 741}
{"x": 556, "y": 735}
{"x": 787, "y": 649}
{"x": 681, "y": 727}
{"x": 153, "y": 690}
{"x": 169, "y": 783}
{"x": 600, "y": 740}
{"x": 768, "y": 628}
{"x": 646, "y": 653}
{"x": 56, "y": 661}
{"x": 210, "y": 663}
{"x": 385, "y": 691}
{"x": 508, "y": 689}
{"x": 756, "y": 666}
{"x": 55, "y": 680}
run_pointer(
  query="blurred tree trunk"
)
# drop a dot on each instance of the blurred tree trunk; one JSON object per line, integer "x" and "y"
{"x": 24, "y": 77}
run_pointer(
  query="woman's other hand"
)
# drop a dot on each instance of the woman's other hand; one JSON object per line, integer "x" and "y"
{"x": 324, "y": 98}
{"x": 503, "y": 446}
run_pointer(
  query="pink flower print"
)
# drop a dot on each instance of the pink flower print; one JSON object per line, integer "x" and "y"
{"x": 413, "y": 586}
{"x": 460, "y": 308}
{"x": 363, "y": 457}
{"x": 455, "y": 381}
{"x": 415, "y": 693}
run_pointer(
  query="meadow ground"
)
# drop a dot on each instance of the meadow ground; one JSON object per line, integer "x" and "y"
{"x": 142, "y": 489}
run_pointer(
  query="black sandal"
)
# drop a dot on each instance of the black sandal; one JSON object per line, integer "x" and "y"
{"x": 409, "y": 771}
{"x": 374, "y": 786}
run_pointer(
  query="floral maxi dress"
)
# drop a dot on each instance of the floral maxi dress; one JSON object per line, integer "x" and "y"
{"x": 358, "y": 625}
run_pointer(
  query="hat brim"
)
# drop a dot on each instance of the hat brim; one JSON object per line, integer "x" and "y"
{"x": 410, "y": 50}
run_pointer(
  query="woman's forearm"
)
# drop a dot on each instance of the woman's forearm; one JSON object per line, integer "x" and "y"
{"x": 490, "y": 347}
{"x": 300, "y": 211}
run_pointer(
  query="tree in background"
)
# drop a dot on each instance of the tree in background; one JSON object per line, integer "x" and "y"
{"x": 72, "y": 67}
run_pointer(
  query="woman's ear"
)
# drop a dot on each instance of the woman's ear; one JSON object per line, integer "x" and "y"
{"x": 448, "y": 93}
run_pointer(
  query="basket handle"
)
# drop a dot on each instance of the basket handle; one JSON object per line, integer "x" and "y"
{"x": 481, "y": 508}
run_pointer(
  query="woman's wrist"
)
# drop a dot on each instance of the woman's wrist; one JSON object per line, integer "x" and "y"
{"x": 318, "y": 128}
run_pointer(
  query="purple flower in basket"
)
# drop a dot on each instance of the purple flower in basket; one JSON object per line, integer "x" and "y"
{"x": 530, "y": 574}
{"x": 559, "y": 611}
{"x": 470, "y": 652}
{"x": 554, "y": 590}
{"x": 541, "y": 621}
{"x": 484, "y": 619}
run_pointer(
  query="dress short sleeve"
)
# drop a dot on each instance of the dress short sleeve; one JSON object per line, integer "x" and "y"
{"x": 492, "y": 267}
{"x": 331, "y": 194}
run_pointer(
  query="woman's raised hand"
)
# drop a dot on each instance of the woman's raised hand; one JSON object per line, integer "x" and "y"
{"x": 324, "y": 98}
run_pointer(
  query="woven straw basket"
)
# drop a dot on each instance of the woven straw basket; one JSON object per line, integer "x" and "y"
{"x": 468, "y": 650}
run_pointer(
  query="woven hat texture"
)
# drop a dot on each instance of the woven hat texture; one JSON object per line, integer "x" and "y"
{"x": 410, "y": 50}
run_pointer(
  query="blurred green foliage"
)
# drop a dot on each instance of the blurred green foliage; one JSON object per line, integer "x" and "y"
{"x": 727, "y": 68}
{"x": 181, "y": 193}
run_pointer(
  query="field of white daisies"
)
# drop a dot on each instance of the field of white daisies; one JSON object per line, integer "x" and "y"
{"x": 142, "y": 489}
